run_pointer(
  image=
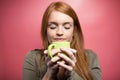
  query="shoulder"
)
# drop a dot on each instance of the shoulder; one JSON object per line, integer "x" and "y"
{"x": 34, "y": 53}
{"x": 90, "y": 53}
{"x": 92, "y": 58}
{"x": 31, "y": 62}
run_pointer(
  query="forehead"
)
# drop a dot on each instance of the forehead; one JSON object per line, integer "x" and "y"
{"x": 59, "y": 17}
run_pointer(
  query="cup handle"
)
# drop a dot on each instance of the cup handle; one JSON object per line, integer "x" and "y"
{"x": 49, "y": 50}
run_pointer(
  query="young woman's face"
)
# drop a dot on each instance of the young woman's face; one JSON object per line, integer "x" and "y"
{"x": 60, "y": 27}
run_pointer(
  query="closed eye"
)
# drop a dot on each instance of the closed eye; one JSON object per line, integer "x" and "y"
{"x": 52, "y": 25}
{"x": 67, "y": 25}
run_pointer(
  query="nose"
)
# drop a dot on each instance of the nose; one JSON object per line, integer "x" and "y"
{"x": 59, "y": 31}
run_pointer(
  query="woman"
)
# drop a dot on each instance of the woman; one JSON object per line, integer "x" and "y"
{"x": 60, "y": 23}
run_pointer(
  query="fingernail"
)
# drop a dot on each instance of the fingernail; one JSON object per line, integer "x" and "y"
{"x": 59, "y": 54}
{"x": 62, "y": 48}
{"x": 45, "y": 51}
{"x": 52, "y": 60}
{"x": 58, "y": 62}
{"x": 74, "y": 51}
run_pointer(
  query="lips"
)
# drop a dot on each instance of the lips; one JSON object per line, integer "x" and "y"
{"x": 59, "y": 39}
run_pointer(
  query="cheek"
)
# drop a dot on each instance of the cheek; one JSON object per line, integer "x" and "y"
{"x": 50, "y": 35}
{"x": 70, "y": 35}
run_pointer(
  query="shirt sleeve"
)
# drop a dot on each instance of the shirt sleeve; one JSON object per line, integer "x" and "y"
{"x": 74, "y": 76}
{"x": 93, "y": 65}
{"x": 29, "y": 68}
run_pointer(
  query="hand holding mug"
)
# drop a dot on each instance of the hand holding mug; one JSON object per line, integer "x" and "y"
{"x": 68, "y": 57}
{"x": 54, "y": 54}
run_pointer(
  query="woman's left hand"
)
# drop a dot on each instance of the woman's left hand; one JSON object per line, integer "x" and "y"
{"x": 69, "y": 59}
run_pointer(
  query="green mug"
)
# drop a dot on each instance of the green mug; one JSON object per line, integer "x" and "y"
{"x": 57, "y": 45}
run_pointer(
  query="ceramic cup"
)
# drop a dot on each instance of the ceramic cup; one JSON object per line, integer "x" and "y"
{"x": 57, "y": 45}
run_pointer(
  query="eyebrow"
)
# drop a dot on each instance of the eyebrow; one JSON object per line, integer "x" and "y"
{"x": 52, "y": 23}
{"x": 57, "y": 23}
{"x": 67, "y": 23}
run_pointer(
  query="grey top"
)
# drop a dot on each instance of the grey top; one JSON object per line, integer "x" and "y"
{"x": 32, "y": 60}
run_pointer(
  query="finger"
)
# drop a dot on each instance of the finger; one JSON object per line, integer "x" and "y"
{"x": 67, "y": 59}
{"x": 50, "y": 63}
{"x": 55, "y": 66}
{"x": 73, "y": 50}
{"x": 69, "y": 68}
{"x": 47, "y": 59}
{"x": 69, "y": 52}
{"x": 55, "y": 51}
{"x": 55, "y": 59}
{"x": 45, "y": 51}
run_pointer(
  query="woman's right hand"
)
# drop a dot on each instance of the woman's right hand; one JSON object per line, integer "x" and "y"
{"x": 52, "y": 67}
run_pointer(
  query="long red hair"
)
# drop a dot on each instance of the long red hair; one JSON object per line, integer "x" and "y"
{"x": 78, "y": 42}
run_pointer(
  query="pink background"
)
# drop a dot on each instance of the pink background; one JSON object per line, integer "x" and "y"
{"x": 20, "y": 22}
